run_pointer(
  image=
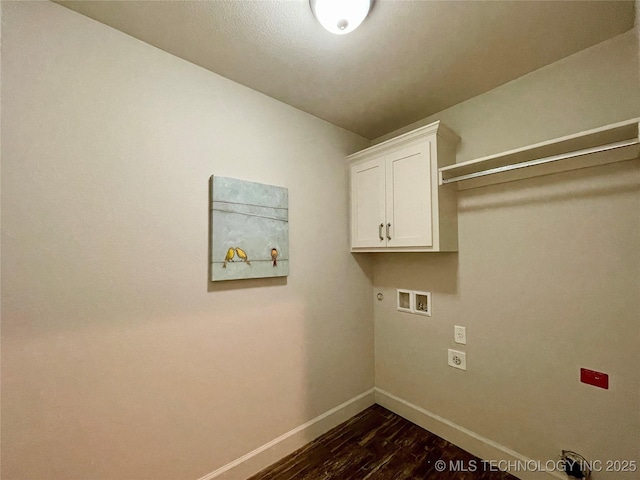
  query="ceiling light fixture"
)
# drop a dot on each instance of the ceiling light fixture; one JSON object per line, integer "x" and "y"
{"x": 340, "y": 16}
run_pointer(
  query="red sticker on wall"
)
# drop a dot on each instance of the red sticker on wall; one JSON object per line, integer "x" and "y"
{"x": 597, "y": 379}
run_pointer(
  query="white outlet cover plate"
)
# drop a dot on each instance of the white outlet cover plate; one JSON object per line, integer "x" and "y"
{"x": 457, "y": 359}
{"x": 460, "y": 334}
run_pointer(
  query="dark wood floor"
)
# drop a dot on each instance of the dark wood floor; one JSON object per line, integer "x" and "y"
{"x": 379, "y": 445}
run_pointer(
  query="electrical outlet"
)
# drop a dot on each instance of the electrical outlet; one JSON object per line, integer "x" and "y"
{"x": 457, "y": 359}
{"x": 460, "y": 335}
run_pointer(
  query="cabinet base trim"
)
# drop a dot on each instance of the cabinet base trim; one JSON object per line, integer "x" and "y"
{"x": 401, "y": 249}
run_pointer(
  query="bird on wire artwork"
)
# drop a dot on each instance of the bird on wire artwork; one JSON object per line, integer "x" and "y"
{"x": 242, "y": 255}
{"x": 249, "y": 225}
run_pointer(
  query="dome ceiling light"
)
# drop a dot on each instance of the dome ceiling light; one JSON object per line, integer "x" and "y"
{"x": 340, "y": 16}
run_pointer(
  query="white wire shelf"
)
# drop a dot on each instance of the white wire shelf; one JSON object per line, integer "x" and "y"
{"x": 616, "y": 142}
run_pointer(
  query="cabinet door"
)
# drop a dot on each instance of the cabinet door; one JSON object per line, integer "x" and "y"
{"x": 408, "y": 196}
{"x": 367, "y": 203}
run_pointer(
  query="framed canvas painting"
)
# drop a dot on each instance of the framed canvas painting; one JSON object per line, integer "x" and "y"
{"x": 249, "y": 230}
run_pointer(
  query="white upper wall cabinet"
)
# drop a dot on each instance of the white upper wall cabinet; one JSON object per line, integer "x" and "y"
{"x": 396, "y": 202}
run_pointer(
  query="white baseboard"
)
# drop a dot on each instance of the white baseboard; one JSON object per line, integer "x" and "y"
{"x": 466, "y": 439}
{"x": 271, "y": 452}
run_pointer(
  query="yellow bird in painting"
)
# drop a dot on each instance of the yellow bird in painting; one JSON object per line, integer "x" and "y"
{"x": 229, "y": 257}
{"x": 242, "y": 255}
{"x": 274, "y": 256}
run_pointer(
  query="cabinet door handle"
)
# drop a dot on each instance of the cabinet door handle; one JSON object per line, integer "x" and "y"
{"x": 388, "y": 234}
{"x": 380, "y": 231}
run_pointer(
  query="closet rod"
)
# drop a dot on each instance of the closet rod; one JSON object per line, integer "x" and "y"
{"x": 540, "y": 161}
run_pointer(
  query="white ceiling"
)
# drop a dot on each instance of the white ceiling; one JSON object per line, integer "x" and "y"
{"x": 409, "y": 59}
